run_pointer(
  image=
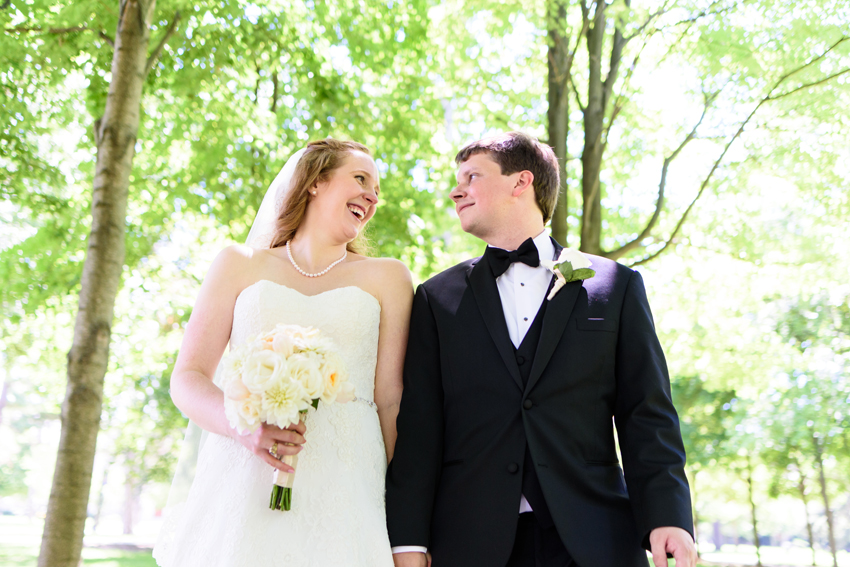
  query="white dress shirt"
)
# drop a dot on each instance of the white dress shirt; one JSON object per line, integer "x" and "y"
{"x": 522, "y": 290}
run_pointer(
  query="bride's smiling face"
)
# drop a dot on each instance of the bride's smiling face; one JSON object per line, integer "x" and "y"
{"x": 348, "y": 199}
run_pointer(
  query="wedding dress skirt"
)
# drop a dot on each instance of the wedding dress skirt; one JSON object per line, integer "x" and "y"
{"x": 337, "y": 516}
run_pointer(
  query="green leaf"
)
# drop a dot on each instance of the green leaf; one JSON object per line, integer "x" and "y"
{"x": 581, "y": 274}
{"x": 566, "y": 269}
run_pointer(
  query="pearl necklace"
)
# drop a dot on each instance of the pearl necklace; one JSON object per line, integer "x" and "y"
{"x": 309, "y": 275}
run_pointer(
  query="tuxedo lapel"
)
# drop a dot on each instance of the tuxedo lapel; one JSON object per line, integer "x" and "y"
{"x": 486, "y": 294}
{"x": 554, "y": 323}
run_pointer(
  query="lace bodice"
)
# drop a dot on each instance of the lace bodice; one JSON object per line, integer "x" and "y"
{"x": 348, "y": 316}
{"x": 337, "y": 517}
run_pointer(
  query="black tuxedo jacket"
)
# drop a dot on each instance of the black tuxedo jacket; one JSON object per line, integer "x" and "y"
{"x": 454, "y": 483}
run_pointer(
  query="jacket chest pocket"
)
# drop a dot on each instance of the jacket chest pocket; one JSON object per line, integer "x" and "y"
{"x": 596, "y": 324}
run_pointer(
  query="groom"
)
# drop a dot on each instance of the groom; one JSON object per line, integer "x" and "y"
{"x": 505, "y": 453}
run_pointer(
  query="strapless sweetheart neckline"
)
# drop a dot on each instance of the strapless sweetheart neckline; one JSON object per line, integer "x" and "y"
{"x": 308, "y": 296}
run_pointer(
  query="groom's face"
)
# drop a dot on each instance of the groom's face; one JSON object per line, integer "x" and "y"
{"x": 483, "y": 196}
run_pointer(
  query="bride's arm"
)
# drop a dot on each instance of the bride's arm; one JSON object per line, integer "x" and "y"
{"x": 206, "y": 336}
{"x": 396, "y": 295}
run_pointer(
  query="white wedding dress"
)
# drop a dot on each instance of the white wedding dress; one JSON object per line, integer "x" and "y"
{"x": 337, "y": 516}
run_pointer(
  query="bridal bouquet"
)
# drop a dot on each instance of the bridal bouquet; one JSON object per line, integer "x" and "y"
{"x": 274, "y": 378}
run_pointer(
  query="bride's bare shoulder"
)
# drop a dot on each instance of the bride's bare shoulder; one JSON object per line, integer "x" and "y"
{"x": 236, "y": 267}
{"x": 385, "y": 276}
{"x": 242, "y": 256}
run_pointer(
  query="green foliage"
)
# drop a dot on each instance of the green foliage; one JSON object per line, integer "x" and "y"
{"x": 12, "y": 479}
{"x": 705, "y": 418}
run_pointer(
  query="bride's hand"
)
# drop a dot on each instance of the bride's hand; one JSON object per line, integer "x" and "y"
{"x": 289, "y": 441}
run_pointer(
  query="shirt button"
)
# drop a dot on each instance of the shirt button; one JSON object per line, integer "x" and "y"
{"x": 522, "y": 284}
{"x": 520, "y": 360}
{"x": 525, "y": 318}
{"x": 527, "y": 404}
{"x": 513, "y": 468}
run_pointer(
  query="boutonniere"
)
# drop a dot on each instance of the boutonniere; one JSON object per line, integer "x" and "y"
{"x": 571, "y": 266}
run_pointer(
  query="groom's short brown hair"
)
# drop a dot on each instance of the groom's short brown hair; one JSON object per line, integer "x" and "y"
{"x": 516, "y": 151}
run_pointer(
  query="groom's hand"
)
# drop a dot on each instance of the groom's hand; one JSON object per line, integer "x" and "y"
{"x": 675, "y": 541}
{"x": 411, "y": 559}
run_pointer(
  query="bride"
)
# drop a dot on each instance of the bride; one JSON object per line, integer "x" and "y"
{"x": 301, "y": 266}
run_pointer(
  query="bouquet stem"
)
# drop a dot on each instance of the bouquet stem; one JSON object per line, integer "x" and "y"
{"x": 281, "y": 498}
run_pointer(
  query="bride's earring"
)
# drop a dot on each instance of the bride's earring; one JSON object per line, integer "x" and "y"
{"x": 313, "y": 192}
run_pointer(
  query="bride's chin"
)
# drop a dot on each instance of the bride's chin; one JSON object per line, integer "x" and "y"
{"x": 347, "y": 234}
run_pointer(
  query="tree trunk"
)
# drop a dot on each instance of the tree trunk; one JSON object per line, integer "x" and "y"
{"x": 829, "y": 521}
{"x": 129, "y": 505}
{"x": 753, "y": 509}
{"x": 591, "y": 157}
{"x": 115, "y": 135}
{"x": 558, "y": 114}
{"x": 801, "y": 486}
{"x": 100, "y": 497}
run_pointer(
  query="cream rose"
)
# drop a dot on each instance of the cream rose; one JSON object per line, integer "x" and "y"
{"x": 261, "y": 368}
{"x": 243, "y": 415}
{"x": 304, "y": 368}
{"x": 236, "y": 390}
{"x": 283, "y": 344}
{"x": 333, "y": 376}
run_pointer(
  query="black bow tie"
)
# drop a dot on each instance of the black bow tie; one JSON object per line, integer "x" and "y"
{"x": 500, "y": 260}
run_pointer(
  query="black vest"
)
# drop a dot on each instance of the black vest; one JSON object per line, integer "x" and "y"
{"x": 524, "y": 357}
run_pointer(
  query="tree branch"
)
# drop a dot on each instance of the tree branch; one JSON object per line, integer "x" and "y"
{"x": 809, "y": 85}
{"x": 159, "y": 47}
{"x": 706, "y": 12}
{"x": 619, "y": 103}
{"x": 107, "y": 39}
{"x": 662, "y": 184}
{"x": 613, "y": 67}
{"x": 54, "y": 31}
{"x": 702, "y": 188}
{"x": 769, "y": 97}
{"x": 60, "y": 31}
{"x": 660, "y": 12}
{"x": 577, "y": 94}
{"x": 809, "y": 63}
{"x": 6, "y": 4}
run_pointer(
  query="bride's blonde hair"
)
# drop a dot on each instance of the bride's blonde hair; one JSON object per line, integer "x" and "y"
{"x": 317, "y": 164}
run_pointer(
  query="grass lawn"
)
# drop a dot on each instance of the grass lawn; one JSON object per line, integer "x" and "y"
{"x": 28, "y": 556}
{"x": 20, "y": 540}
{"x": 12, "y": 556}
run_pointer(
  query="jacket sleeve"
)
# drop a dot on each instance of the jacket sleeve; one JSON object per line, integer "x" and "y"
{"x": 647, "y": 423}
{"x": 413, "y": 473}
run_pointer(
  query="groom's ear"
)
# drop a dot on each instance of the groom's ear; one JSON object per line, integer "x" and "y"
{"x": 525, "y": 182}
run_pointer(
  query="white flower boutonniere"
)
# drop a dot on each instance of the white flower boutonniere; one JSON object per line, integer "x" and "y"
{"x": 570, "y": 266}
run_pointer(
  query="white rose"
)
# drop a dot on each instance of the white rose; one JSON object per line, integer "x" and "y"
{"x": 243, "y": 415}
{"x": 283, "y": 344}
{"x": 576, "y": 259}
{"x": 304, "y": 368}
{"x": 236, "y": 390}
{"x": 282, "y": 403}
{"x": 304, "y": 338}
{"x": 333, "y": 376}
{"x": 262, "y": 368}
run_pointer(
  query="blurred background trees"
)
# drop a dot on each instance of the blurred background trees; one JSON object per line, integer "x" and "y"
{"x": 704, "y": 140}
